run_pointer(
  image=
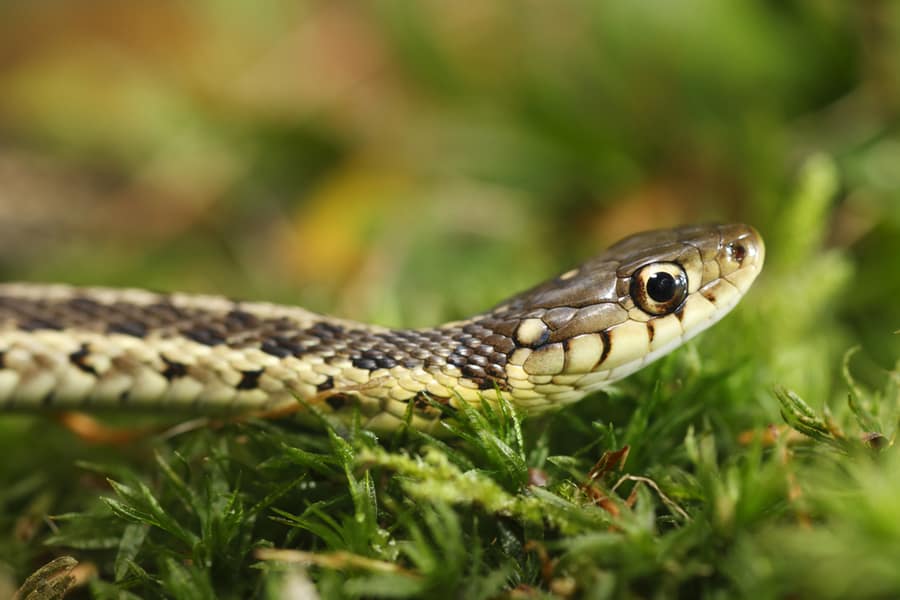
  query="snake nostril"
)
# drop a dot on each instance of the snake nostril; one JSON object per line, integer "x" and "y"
{"x": 737, "y": 251}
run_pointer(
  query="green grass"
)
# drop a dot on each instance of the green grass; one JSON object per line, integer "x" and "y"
{"x": 671, "y": 484}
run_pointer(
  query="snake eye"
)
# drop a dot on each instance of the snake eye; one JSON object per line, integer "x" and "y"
{"x": 659, "y": 288}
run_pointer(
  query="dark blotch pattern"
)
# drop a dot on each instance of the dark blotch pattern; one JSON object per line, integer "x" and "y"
{"x": 205, "y": 335}
{"x": 338, "y": 401}
{"x": 174, "y": 369}
{"x": 78, "y": 358}
{"x": 607, "y": 346}
{"x": 36, "y": 324}
{"x": 250, "y": 379}
{"x": 132, "y": 328}
{"x": 421, "y": 401}
{"x": 237, "y": 319}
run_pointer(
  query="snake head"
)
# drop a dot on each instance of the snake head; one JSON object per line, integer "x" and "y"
{"x": 635, "y": 302}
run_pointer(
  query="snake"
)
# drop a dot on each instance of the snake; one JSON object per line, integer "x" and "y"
{"x": 96, "y": 348}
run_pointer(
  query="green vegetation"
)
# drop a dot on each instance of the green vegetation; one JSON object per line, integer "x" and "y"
{"x": 409, "y": 162}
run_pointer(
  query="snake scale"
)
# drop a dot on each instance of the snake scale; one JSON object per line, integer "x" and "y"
{"x": 64, "y": 347}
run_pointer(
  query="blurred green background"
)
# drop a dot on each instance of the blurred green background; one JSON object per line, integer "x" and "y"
{"x": 408, "y": 162}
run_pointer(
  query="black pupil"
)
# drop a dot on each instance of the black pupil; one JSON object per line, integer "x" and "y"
{"x": 661, "y": 287}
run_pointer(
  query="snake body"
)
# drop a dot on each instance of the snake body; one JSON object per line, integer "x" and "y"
{"x": 63, "y": 347}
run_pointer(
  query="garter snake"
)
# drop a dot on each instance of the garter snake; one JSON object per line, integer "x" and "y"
{"x": 64, "y": 347}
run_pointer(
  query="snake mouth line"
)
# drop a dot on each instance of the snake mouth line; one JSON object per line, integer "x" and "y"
{"x": 547, "y": 346}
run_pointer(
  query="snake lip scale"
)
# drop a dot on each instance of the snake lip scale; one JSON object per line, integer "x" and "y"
{"x": 64, "y": 347}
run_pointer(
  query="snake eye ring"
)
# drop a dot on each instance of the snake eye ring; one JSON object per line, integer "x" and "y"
{"x": 659, "y": 288}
